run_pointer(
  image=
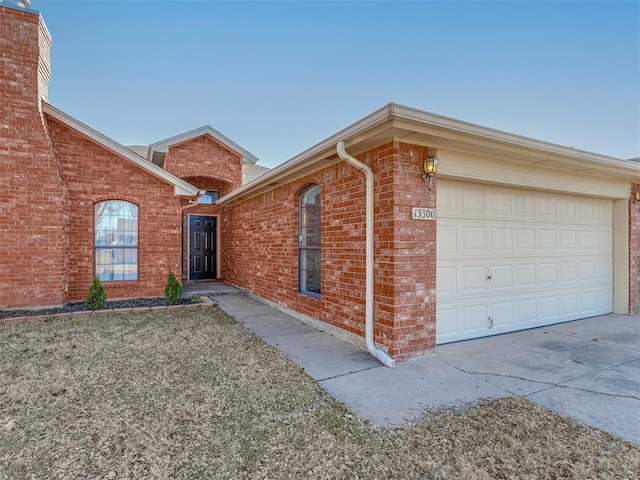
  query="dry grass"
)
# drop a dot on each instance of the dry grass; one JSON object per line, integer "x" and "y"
{"x": 192, "y": 394}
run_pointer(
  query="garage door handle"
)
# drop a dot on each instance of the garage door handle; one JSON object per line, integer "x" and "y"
{"x": 490, "y": 322}
{"x": 489, "y": 276}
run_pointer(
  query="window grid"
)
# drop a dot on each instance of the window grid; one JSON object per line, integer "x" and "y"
{"x": 309, "y": 240}
{"x": 116, "y": 241}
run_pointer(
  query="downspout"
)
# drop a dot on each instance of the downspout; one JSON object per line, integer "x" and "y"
{"x": 371, "y": 346}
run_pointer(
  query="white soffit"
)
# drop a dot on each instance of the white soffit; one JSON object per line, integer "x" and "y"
{"x": 181, "y": 187}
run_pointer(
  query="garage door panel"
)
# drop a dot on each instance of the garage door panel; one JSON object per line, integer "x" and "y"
{"x": 500, "y": 239}
{"x": 527, "y": 311}
{"x": 501, "y": 277}
{"x": 588, "y": 303}
{"x": 447, "y": 281}
{"x": 547, "y": 241}
{"x": 525, "y": 240}
{"x": 475, "y": 318}
{"x": 501, "y": 313}
{"x": 547, "y": 208}
{"x": 587, "y": 270}
{"x": 499, "y": 203}
{"x": 473, "y": 279}
{"x": 525, "y": 275}
{"x": 604, "y": 302}
{"x": 549, "y": 308}
{"x": 547, "y": 273}
{"x": 587, "y": 242}
{"x": 474, "y": 239}
{"x": 568, "y": 272}
{"x": 567, "y": 211}
{"x": 568, "y": 241}
{"x": 569, "y": 305}
{"x": 473, "y": 202}
{"x": 447, "y": 238}
{"x": 604, "y": 242}
{"x": 522, "y": 259}
{"x": 447, "y": 323}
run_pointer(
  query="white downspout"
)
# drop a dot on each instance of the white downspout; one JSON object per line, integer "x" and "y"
{"x": 371, "y": 346}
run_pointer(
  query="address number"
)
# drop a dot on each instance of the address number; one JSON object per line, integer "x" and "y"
{"x": 420, "y": 213}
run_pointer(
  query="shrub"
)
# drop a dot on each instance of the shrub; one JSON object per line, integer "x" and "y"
{"x": 97, "y": 297}
{"x": 173, "y": 290}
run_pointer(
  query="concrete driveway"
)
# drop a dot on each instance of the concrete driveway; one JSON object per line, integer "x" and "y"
{"x": 587, "y": 369}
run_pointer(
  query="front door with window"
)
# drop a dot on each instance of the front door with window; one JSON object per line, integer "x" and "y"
{"x": 202, "y": 247}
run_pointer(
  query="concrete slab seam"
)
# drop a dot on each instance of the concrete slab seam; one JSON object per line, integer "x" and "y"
{"x": 348, "y": 373}
{"x": 550, "y": 385}
{"x": 587, "y": 390}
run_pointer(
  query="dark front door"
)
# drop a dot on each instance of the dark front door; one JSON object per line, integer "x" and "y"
{"x": 202, "y": 247}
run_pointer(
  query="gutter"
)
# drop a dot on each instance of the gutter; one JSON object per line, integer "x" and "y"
{"x": 381, "y": 355}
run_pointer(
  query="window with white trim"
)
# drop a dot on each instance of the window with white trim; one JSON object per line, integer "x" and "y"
{"x": 309, "y": 234}
{"x": 116, "y": 240}
{"x": 209, "y": 197}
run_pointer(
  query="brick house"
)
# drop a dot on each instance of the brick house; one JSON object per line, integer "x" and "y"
{"x": 354, "y": 235}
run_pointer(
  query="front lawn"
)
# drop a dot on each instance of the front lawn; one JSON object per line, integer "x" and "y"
{"x": 192, "y": 394}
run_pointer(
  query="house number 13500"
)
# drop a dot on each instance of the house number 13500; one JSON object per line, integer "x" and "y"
{"x": 421, "y": 213}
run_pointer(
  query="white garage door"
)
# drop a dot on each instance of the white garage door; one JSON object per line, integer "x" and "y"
{"x": 510, "y": 259}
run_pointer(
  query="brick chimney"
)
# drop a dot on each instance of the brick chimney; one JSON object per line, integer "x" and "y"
{"x": 32, "y": 265}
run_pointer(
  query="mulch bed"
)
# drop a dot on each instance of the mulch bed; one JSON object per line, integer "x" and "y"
{"x": 83, "y": 307}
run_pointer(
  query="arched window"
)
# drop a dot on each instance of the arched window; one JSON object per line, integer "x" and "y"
{"x": 309, "y": 220}
{"x": 116, "y": 240}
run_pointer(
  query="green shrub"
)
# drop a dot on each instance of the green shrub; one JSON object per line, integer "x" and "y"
{"x": 173, "y": 290}
{"x": 97, "y": 297}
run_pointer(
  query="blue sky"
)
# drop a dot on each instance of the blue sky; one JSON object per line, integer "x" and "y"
{"x": 279, "y": 77}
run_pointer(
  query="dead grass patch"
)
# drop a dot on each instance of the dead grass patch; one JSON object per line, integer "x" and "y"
{"x": 192, "y": 394}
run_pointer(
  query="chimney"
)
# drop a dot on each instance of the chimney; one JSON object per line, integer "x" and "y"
{"x": 31, "y": 190}
{"x": 44, "y": 45}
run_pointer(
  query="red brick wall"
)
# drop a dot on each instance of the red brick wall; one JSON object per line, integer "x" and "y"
{"x": 634, "y": 253}
{"x": 261, "y": 254}
{"x": 31, "y": 192}
{"x": 261, "y": 247}
{"x": 405, "y": 250}
{"x": 204, "y": 157}
{"x": 93, "y": 174}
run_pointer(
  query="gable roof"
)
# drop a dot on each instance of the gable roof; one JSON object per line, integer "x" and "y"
{"x": 180, "y": 187}
{"x": 253, "y": 172}
{"x": 158, "y": 150}
{"x": 395, "y": 122}
{"x": 139, "y": 149}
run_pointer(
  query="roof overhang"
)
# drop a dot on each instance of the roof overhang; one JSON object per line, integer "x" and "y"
{"x": 158, "y": 150}
{"x": 180, "y": 187}
{"x": 395, "y": 122}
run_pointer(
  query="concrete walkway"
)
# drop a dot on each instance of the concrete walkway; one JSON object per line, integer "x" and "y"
{"x": 588, "y": 369}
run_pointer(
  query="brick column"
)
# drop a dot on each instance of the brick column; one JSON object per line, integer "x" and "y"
{"x": 405, "y": 251}
{"x": 31, "y": 192}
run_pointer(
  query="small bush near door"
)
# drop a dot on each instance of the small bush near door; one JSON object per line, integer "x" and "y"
{"x": 173, "y": 290}
{"x": 97, "y": 296}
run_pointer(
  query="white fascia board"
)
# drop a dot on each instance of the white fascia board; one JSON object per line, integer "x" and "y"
{"x": 181, "y": 188}
{"x": 412, "y": 114}
{"x": 163, "y": 145}
{"x": 327, "y": 146}
{"x": 391, "y": 111}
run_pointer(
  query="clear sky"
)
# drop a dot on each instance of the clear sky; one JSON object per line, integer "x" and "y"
{"x": 280, "y": 76}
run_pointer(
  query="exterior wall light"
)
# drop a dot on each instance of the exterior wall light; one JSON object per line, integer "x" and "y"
{"x": 636, "y": 197}
{"x": 429, "y": 168}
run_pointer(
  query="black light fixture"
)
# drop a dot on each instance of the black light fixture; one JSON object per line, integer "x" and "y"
{"x": 429, "y": 168}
